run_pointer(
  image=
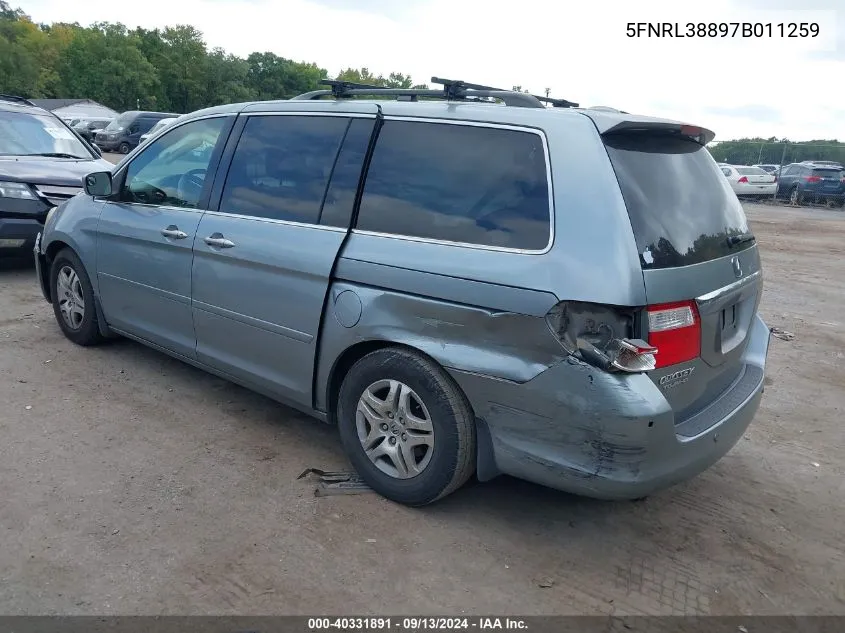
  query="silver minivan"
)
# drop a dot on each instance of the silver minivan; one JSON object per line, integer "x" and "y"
{"x": 566, "y": 295}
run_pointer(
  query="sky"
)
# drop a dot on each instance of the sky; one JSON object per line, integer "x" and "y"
{"x": 739, "y": 87}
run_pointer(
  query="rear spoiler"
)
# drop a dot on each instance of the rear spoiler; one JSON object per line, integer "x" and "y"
{"x": 608, "y": 123}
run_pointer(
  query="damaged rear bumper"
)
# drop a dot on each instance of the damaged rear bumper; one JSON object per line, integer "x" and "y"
{"x": 607, "y": 436}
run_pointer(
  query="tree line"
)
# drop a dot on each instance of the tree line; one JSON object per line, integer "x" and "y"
{"x": 168, "y": 69}
{"x": 770, "y": 151}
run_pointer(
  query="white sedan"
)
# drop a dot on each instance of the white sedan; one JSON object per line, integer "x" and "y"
{"x": 750, "y": 181}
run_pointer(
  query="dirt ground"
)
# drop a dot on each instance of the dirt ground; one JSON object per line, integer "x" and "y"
{"x": 133, "y": 484}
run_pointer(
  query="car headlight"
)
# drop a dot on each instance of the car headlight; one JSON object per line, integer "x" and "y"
{"x": 17, "y": 190}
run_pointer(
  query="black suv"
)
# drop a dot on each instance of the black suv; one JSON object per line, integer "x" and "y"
{"x": 42, "y": 164}
{"x": 124, "y": 133}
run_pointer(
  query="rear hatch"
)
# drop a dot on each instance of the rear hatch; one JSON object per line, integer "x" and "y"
{"x": 827, "y": 180}
{"x": 755, "y": 176}
{"x": 699, "y": 260}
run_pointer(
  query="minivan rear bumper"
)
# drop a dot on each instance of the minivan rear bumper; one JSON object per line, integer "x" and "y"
{"x": 607, "y": 436}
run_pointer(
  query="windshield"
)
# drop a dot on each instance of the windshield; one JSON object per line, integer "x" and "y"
{"x": 22, "y": 133}
{"x": 119, "y": 123}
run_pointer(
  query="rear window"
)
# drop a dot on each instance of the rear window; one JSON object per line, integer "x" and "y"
{"x": 458, "y": 183}
{"x": 752, "y": 171}
{"x": 827, "y": 173}
{"x": 682, "y": 209}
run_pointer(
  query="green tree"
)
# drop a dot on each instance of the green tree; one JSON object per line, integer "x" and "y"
{"x": 272, "y": 77}
{"x": 226, "y": 79}
{"x": 104, "y": 63}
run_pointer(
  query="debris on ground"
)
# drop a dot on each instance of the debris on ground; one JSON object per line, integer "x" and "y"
{"x": 336, "y": 483}
{"x": 782, "y": 334}
{"x": 546, "y": 583}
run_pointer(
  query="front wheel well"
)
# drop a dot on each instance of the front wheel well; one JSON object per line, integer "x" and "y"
{"x": 49, "y": 255}
{"x": 54, "y": 249}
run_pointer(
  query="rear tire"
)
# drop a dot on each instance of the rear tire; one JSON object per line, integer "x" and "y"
{"x": 124, "y": 148}
{"x": 73, "y": 299}
{"x": 393, "y": 393}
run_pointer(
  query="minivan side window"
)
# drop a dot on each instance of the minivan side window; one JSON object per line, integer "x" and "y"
{"x": 340, "y": 198}
{"x": 282, "y": 165}
{"x": 172, "y": 170}
{"x": 470, "y": 184}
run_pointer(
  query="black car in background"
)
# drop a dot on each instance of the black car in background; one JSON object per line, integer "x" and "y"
{"x": 42, "y": 164}
{"x": 87, "y": 128}
{"x": 124, "y": 133}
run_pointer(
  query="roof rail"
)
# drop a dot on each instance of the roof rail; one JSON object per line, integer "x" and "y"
{"x": 452, "y": 91}
{"x": 16, "y": 99}
{"x": 458, "y": 87}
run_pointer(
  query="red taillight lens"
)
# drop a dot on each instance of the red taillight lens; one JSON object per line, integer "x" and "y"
{"x": 813, "y": 178}
{"x": 675, "y": 330}
{"x": 743, "y": 179}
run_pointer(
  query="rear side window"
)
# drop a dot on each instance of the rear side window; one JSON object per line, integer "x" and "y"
{"x": 458, "y": 183}
{"x": 340, "y": 198}
{"x": 281, "y": 167}
{"x": 682, "y": 209}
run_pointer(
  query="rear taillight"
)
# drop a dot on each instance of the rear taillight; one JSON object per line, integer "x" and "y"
{"x": 675, "y": 330}
{"x": 812, "y": 178}
{"x": 743, "y": 179}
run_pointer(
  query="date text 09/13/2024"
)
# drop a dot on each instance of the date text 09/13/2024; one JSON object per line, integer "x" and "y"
{"x": 723, "y": 29}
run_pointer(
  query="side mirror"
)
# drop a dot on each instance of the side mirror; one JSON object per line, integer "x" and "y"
{"x": 98, "y": 184}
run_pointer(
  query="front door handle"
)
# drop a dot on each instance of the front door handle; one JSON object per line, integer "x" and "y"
{"x": 173, "y": 232}
{"x": 217, "y": 239}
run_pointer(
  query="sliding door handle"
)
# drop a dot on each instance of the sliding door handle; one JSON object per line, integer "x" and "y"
{"x": 217, "y": 240}
{"x": 174, "y": 233}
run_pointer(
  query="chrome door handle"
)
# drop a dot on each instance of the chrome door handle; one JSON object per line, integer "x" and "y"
{"x": 173, "y": 232}
{"x": 217, "y": 239}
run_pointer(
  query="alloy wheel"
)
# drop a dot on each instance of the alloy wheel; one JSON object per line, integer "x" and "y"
{"x": 395, "y": 429}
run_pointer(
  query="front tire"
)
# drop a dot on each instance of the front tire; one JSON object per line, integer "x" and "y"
{"x": 406, "y": 427}
{"x": 73, "y": 299}
{"x": 124, "y": 148}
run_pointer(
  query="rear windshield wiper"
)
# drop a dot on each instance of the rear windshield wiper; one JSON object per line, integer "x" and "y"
{"x": 53, "y": 155}
{"x": 736, "y": 240}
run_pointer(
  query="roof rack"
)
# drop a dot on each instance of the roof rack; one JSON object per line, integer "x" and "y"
{"x": 16, "y": 99}
{"x": 458, "y": 88}
{"x": 451, "y": 91}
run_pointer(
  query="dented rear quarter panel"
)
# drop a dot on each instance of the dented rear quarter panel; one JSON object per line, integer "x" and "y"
{"x": 481, "y": 310}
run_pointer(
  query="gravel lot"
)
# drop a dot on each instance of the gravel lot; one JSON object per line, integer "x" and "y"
{"x": 133, "y": 484}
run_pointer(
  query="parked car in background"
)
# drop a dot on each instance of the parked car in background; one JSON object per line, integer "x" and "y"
{"x": 88, "y": 128}
{"x": 812, "y": 182}
{"x": 42, "y": 163}
{"x": 768, "y": 168}
{"x": 163, "y": 123}
{"x": 825, "y": 163}
{"x": 751, "y": 182}
{"x": 461, "y": 287}
{"x": 123, "y": 134}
